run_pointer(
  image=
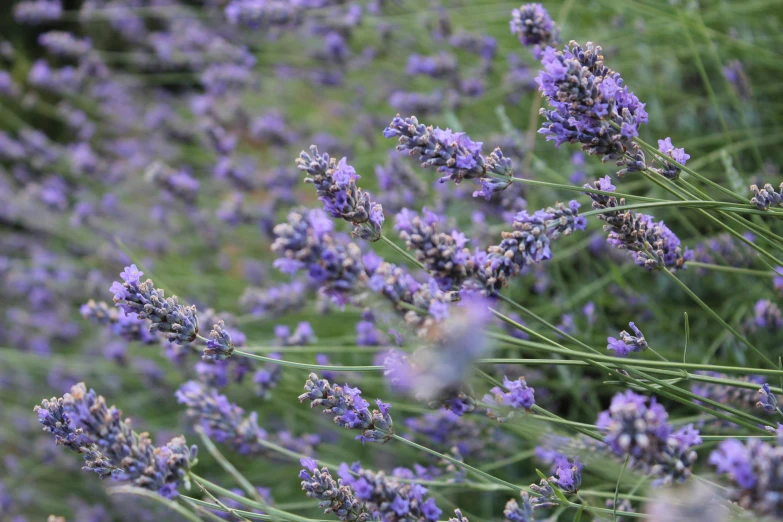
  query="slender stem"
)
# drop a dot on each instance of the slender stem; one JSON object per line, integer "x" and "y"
{"x": 402, "y": 252}
{"x": 717, "y": 317}
{"x": 210, "y": 506}
{"x": 686, "y": 203}
{"x": 308, "y": 366}
{"x": 733, "y": 269}
{"x": 246, "y": 501}
{"x": 642, "y": 363}
{"x": 574, "y": 188}
{"x": 133, "y": 490}
{"x": 226, "y": 465}
{"x": 461, "y": 464}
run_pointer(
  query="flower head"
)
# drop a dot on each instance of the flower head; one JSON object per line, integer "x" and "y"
{"x": 349, "y": 409}
{"x": 534, "y": 28}
{"x": 628, "y": 343}
{"x": 82, "y": 422}
{"x": 178, "y": 322}
{"x": 335, "y": 184}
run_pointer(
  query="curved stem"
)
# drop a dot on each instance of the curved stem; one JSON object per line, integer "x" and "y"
{"x": 308, "y": 366}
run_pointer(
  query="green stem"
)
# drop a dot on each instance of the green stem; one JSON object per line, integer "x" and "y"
{"x": 226, "y": 465}
{"x": 246, "y": 501}
{"x": 717, "y": 317}
{"x": 682, "y": 203}
{"x": 308, "y": 366}
{"x": 467, "y": 467}
{"x": 402, "y": 252}
{"x": 642, "y": 363}
{"x": 733, "y": 269}
{"x": 132, "y": 490}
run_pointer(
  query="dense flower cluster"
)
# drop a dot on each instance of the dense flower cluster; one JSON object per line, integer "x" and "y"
{"x": 178, "y": 322}
{"x": 335, "y": 496}
{"x": 335, "y": 184}
{"x": 306, "y": 241}
{"x": 528, "y": 244}
{"x": 731, "y": 395}
{"x": 399, "y": 287}
{"x": 755, "y": 468}
{"x": 767, "y": 196}
{"x": 225, "y": 422}
{"x": 349, "y": 409}
{"x": 641, "y": 431}
{"x": 627, "y": 343}
{"x": 453, "y": 154}
{"x": 388, "y": 499}
{"x": 590, "y": 104}
{"x": 444, "y": 255}
{"x": 650, "y": 242}
{"x": 534, "y": 28}
{"x": 518, "y": 395}
{"x": 125, "y": 325}
{"x": 82, "y": 422}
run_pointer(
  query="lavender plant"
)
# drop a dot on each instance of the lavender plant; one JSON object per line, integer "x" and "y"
{"x": 161, "y": 135}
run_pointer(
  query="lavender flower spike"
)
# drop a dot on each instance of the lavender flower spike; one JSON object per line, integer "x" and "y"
{"x": 452, "y": 153}
{"x": 179, "y": 322}
{"x": 651, "y": 243}
{"x": 335, "y": 496}
{"x": 81, "y": 421}
{"x": 349, "y": 409}
{"x": 670, "y": 170}
{"x": 766, "y": 197}
{"x": 627, "y": 343}
{"x": 219, "y": 346}
{"x": 534, "y": 28}
{"x": 754, "y": 468}
{"x": 388, "y": 499}
{"x": 335, "y": 184}
{"x": 767, "y": 400}
{"x": 590, "y": 105}
{"x": 516, "y": 513}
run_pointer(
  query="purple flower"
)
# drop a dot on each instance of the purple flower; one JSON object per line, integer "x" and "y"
{"x": 304, "y": 242}
{"x": 670, "y": 170}
{"x": 37, "y": 11}
{"x": 534, "y": 28}
{"x": 516, "y": 513}
{"x": 335, "y": 184}
{"x": 767, "y": 400}
{"x": 588, "y": 100}
{"x": 518, "y": 395}
{"x": 627, "y": 342}
{"x": 81, "y": 421}
{"x": 767, "y": 196}
{"x": 651, "y": 243}
{"x": 178, "y": 322}
{"x": 569, "y": 475}
{"x": 430, "y": 510}
{"x": 226, "y": 423}
{"x": 453, "y": 154}
{"x": 738, "y": 460}
{"x": 335, "y": 496}
{"x": 641, "y": 431}
{"x": 349, "y": 409}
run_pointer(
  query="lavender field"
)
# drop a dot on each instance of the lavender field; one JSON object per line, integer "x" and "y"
{"x": 391, "y": 260}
